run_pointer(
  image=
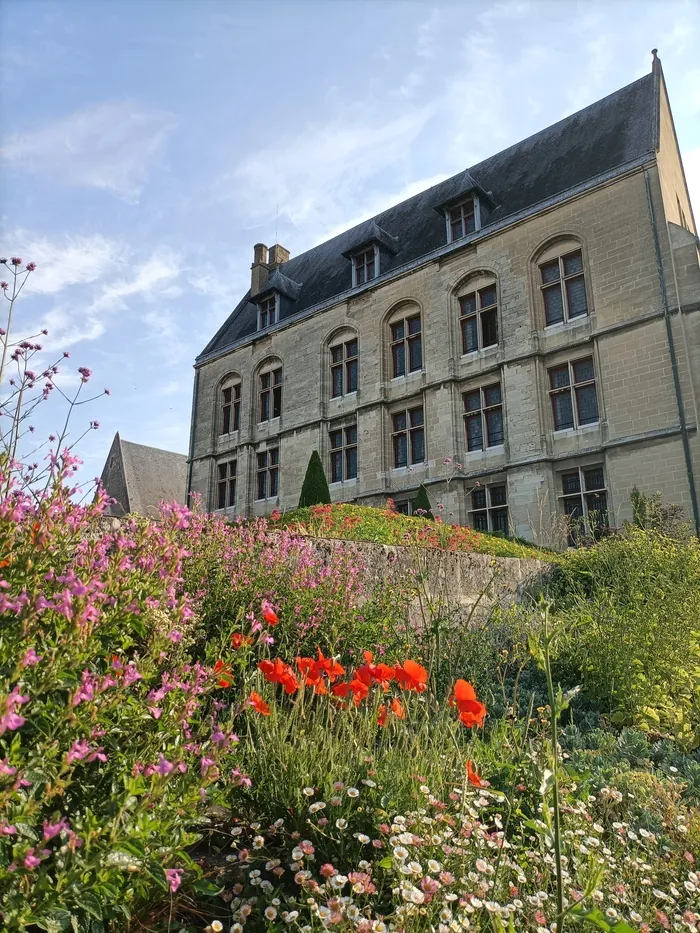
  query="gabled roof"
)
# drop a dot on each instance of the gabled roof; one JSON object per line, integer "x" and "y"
{"x": 140, "y": 477}
{"x": 597, "y": 141}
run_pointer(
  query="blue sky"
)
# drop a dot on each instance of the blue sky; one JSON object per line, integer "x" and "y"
{"x": 148, "y": 144}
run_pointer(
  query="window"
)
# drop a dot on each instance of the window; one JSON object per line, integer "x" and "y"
{"x": 364, "y": 266}
{"x": 406, "y": 346}
{"x": 577, "y": 377}
{"x": 231, "y": 408}
{"x": 408, "y": 437}
{"x": 483, "y": 417}
{"x": 584, "y": 501}
{"x": 405, "y": 506}
{"x": 461, "y": 220}
{"x": 268, "y": 473}
{"x": 270, "y": 394}
{"x": 489, "y": 511}
{"x": 268, "y": 311}
{"x": 344, "y": 368}
{"x": 226, "y": 484}
{"x": 479, "y": 319}
{"x": 563, "y": 288}
{"x": 343, "y": 453}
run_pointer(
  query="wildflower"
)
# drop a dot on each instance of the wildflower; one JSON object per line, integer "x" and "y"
{"x": 341, "y": 823}
{"x": 269, "y": 614}
{"x": 353, "y": 792}
{"x": 315, "y": 807}
{"x": 31, "y": 860}
{"x": 472, "y": 775}
{"x": 471, "y": 711}
{"x": 308, "y": 792}
{"x": 30, "y": 658}
{"x": 412, "y": 676}
{"x": 270, "y": 912}
{"x": 224, "y": 675}
{"x": 277, "y": 672}
{"x": 238, "y": 639}
{"x": 53, "y": 829}
{"x": 174, "y": 878}
{"x": 257, "y": 702}
{"x": 164, "y": 766}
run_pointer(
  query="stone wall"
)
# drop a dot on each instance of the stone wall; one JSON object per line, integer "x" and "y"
{"x": 463, "y": 581}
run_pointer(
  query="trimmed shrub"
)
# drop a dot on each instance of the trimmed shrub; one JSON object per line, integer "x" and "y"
{"x": 421, "y": 504}
{"x": 314, "y": 490}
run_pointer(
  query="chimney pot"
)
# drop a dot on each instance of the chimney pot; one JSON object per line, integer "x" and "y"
{"x": 259, "y": 253}
{"x": 277, "y": 255}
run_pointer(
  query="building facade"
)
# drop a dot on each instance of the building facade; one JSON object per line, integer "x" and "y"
{"x": 523, "y": 339}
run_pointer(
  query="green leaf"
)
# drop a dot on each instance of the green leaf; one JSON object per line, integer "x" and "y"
{"x": 207, "y": 888}
{"x": 24, "y": 829}
{"x": 598, "y": 919}
{"x": 56, "y": 921}
{"x": 386, "y": 862}
{"x": 90, "y": 904}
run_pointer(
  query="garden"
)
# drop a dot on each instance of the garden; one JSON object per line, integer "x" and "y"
{"x": 207, "y": 726}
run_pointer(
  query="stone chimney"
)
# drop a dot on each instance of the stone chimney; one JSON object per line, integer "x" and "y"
{"x": 259, "y": 269}
{"x": 277, "y": 255}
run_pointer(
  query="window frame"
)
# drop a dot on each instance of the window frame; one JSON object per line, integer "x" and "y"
{"x": 483, "y": 412}
{"x": 489, "y": 508}
{"x": 345, "y": 451}
{"x": 477, "y": 315}
{"x": 344, "y": 365}
{"x": 270, "y": 315}
{"x": 225, "y": 483}
{"x": 583, "y": 495}
{"x": 405, "y": 344}
{"x": 270, "y": 396}
{"x": 409, "y": 432}
{"x": 267, "y": 473}
{"x": 231, "y": 408}
{"x": 573, "y": 387}
{"x": 459, "y": 206}
{"x": 562, "y": 283}
{"x": 360, "y": 261}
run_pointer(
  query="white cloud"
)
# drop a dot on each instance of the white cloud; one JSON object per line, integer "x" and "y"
{"x": 154, "y": 278}
{"x": 341, "y": 157}
{"x": 67, "y": 261}
{"x": 111, "y": 146}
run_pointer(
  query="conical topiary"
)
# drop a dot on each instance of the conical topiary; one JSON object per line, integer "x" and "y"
{"x": 314, "y": 490}
{"x": 422, "y": 502}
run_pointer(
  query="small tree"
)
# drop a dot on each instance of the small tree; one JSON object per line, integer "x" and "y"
{"x": 422, "y": 503}
{"x": 314, "y": 490}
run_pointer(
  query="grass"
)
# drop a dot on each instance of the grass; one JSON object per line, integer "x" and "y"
{"x": 386, "y": 526}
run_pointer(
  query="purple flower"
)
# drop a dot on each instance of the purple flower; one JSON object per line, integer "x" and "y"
{"x": 174, "y": 876}
{"x": 30, "y": 860}
{"x": 4, "y": 285}
{"x": 175, "y": 636}
{"x": 53, "y": 829}
{"x": 11, "y": 721}
{"x": 6, "y": 768}
{"x": 164, "y": 766}
{"x": 30, "y": 658}
{"x": 107, "y": 392}
{"x": 16, "y": 261}
{"x": 85, "y": 373}
{"x": 31, "y": 266}
{"x": 206, "y": 763}
{"x": 78, "y": 750}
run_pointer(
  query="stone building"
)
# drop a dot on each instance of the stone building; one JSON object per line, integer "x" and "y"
{"x": 139, "y": 478}
{"x": 534, "y": 319}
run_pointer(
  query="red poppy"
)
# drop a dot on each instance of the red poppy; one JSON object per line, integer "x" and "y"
{"x": 257, "y": 702}
{"x": 277, "y": 672}
{"x": 471, "y": 711}
{"x": 358, "y": 689}
{"x": 238, "y": 639}
{"x": 472, "y": 776}
{"x": 269, "y": 614}
{"x": 397, "y": 708}
{"x": 381, "y": 719}
{"x": 378, "y": 673}
{"x": 314, "y": 669}
{"x": 224, "y": 672}
{"x": 412, "y": 676}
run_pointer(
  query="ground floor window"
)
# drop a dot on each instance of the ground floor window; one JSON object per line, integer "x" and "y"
{"x": 489, "y": 508}
{"x": 226, "y": 484}
{"x": 584, "y": 502}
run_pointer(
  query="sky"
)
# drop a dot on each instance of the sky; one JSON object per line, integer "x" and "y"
{"x": 146, "y": 145}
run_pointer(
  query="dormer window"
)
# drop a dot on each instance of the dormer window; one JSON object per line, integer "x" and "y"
{"x": 365, "y": 266}
{"x": 462, "y": 219}
{"x": 268, "y": 311}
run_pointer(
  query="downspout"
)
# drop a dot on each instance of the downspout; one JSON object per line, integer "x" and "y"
{"x": 674, "y": 359}
{"x": 195, "y": 392}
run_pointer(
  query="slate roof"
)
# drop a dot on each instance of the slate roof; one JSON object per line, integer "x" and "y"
{"x": 616, "y": 131}
{"x": 140, "y": 477}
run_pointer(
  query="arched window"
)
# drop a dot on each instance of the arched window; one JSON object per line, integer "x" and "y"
{"x": 344, "y": 363}
{"x": 561, "y": 282}
{"x": 230, "y": 405}
{"x": 405, "y": 341}
{"x": 478, "y": 312}
{"x": 269, "y": 390}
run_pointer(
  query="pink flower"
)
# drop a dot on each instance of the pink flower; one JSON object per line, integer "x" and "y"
{"x": 174, "y": 876}
{"x": 53, "y": 829}
{"x": 30, "y": 860}
{"x": 16, "y": 261}
{"x": 30, "y": 658}
{"x": 175, "y": 636}
{"x": 206, "y": 763}
{"x": 78, "y": 750}
{"x": 7, "y": 830}
{"x": 6, "y": 768}
{"x": 155, "y": 711}
{"x": 327, "y": 870}
{"x": 11, "y": 721}
{"x": 31, "y": 266}
{"x": 164, "y": 766}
